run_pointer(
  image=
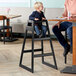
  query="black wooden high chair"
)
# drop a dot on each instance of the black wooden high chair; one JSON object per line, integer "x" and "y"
{"x": 30, "y": 27}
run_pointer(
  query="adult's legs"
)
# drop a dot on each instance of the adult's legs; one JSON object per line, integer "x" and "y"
{"x": 69, "y": 33}
{"x": 57, "y": 31}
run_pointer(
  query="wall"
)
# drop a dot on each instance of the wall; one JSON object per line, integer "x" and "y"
{"x": 15, "y": 3}
{"x": 19, "y": 24}
{"x": 29, "y": 3}
{"x": 55, "y": 7}
{"x": 51, "y": 3}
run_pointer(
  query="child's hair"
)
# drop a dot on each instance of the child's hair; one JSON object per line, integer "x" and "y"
{"x": 38, "y": 4}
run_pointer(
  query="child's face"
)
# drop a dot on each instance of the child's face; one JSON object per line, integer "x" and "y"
{"x": 41, "y": 8}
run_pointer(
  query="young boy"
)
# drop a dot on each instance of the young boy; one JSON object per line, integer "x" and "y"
{"x": 38, "y": 15}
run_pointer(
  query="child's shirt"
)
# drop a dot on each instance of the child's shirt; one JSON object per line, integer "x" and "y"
{"x": 38, "y": 15}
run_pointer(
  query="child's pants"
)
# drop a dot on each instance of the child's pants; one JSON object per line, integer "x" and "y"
{"x": 43, "y": 30}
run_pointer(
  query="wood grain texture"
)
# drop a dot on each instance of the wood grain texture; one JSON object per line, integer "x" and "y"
{"x": 8, "y": 17}
{"x": 70, "y": 20}
{"x": 74, "y": 45}
{"x": 10, "y": 56}
{"x": 2, "y": 17}
{"x": 8, "y": 24}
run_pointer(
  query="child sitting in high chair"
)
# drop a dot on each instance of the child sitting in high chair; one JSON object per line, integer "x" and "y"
{"x": 38, "y": 15}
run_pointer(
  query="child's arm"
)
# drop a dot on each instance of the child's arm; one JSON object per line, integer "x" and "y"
{"x": 36, "y": 19}
{"x": 43, "y": 18}
{"x": 32, "y": 16}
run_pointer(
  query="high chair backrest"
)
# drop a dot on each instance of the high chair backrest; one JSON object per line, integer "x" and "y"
{"x": 31, "y": 22}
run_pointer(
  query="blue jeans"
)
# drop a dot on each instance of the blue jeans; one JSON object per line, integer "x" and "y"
{"x": 64, "y": 26}
{"x": 43, "y": 30}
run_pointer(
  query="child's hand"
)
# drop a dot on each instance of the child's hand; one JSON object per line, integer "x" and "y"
{"x": 36, "y": 19}
{"x": 43, "y": 18}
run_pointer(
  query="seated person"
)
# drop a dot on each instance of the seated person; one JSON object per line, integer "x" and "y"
{"x": 66, "y": 26}
{"x": 38, "y": 15}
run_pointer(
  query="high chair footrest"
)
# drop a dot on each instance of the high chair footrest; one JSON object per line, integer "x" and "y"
{"x": 40, "y": 55}
{"x": 35, "y": 50}
{"x": 46, "y": 38}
